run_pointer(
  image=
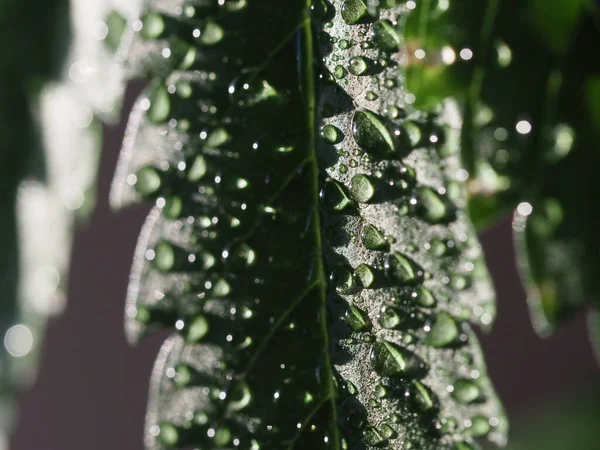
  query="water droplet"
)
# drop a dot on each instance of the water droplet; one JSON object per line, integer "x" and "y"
{"x": 380, "y": 391}
{"x": 342, "y": 280}
{"x": 425, "y": 298}
{"x": 164, "y": 259}
{"x": 391, "y": 360}
{"x": 211, "y": 34}
{"x": 160, "y": 104}
{"x": 400, "y": 269}
{"x": 371, "y": 134}
{"x": 197, "y": 169}
{"x": 249, "y": 90}
{"x": 344, "y": 44}
{"x": 373, "y": 437}
{"x": 422, "y": 396}
{"x": 372, "y": 238}
{"x": 353, "y": 11}
{"x": 335, "y": 198}
{"x": 222, "y": 437}
{"x": 217, "y": 138}
{"x": 339, "y": 72}
{"x": 168, "y": 434}
{"x": 371, "y": 96}
{"x": 362, "y": 188}
{"x": 444, "y": 331}
{"x": 389, "y": 318}
{"x": 239, "y": 396}
{"x": 387, "y": 431}
{"x": 386, "y": 36}
{"x": 365, "y": 275}
{"x": 466, "y": 446}
{"x": 431, "y": 206}
{"x": 197, "y": 329}
{"x": 331, "y": 134}
{"x": 148, "y": 181}
{"x": 480, "y": 426}
{"x": 242, "y": 256}
{"x": 173, "y": 207}
{"x": 465, "y": 391}
{"x": 358, "y": 66}
{"x": 357, "y": 319}
{"x": 153, "y": 26}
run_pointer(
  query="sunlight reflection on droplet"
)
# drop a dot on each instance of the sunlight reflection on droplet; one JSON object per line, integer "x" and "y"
{"x": 524, "y": 209}
{"x": 448, "y": 55}
{"x": 523, "y": 127}
{"x": 18, "y": 340}
{"x": 466, "y": 54}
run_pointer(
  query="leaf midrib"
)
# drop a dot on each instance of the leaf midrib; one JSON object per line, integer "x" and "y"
{"x": 310, "y": 92}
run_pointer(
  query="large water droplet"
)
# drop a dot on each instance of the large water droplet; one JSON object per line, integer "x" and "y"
{"x": 391, "y": 360}
{"x": 358, "y": 66}
{"x": 168, "y": 434}
{"x": 432, "y": 207}
{"x": 466, "y": 391}
{"x": 400, "y": 269}
{"x": 197, "y": 329}
{"x": 362, "y": 188}
{"x": 160, "y": 104}
{"x": 357, "y": 319}
{"x": 373, "y": 239}
{"x": 153, "y": 26}
{"x": 373, "y": 437}
{"x": 353, "y": 11}
{"x": 211, "y": 34}
{"x": 335, "y": 198}
{"x": 365, "y": 275}
{"x": 148, "y": 181}
{"x": 422, "y": 396}
{"x": 480, "y": 426}
{"x": 389, "y": 318}
{"x": 331, "y": 134}
{"x": 197, "y": 169}
{"x": 444, "y": 331}
{"x": 371, "y": 134}
{"x": 342, "y": 280}
{"x": 386, "y": 36}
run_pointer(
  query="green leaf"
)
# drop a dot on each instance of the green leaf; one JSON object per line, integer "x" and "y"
{"x": 319, "y": 271}
{"x": 528, "y": 134}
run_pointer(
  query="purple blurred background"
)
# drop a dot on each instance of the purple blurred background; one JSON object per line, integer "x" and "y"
{"x": 92, "y": 387}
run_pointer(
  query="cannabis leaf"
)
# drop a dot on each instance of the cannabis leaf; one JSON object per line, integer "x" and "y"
{"x": 309, "y": 245}
{"x": 531, "y": 122}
